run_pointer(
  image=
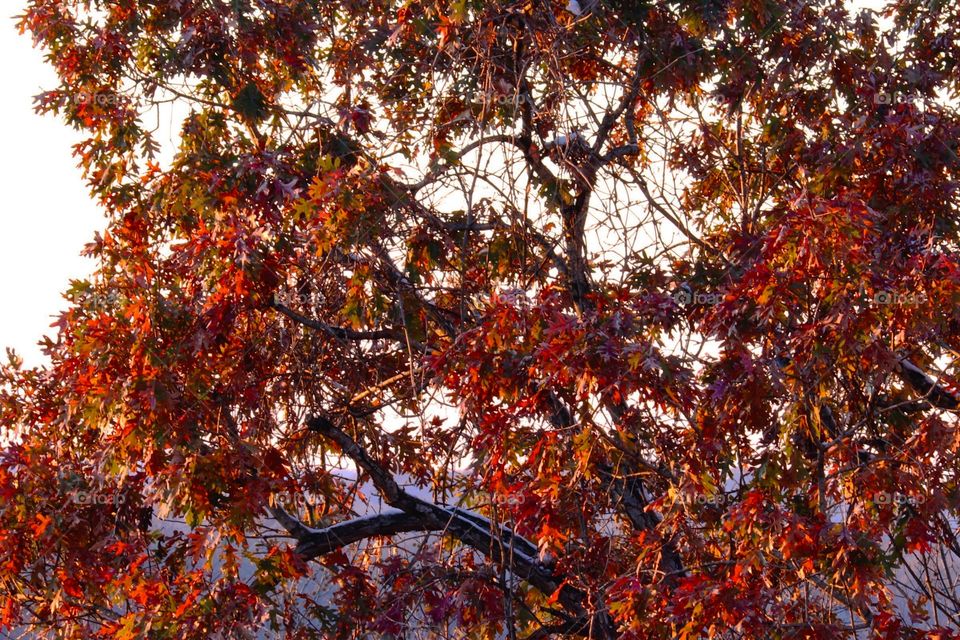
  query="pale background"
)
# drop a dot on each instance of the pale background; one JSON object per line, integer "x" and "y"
{"x": 47, "y": 215}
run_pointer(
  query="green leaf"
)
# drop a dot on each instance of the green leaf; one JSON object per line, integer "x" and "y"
{"x": 250, "y": 102}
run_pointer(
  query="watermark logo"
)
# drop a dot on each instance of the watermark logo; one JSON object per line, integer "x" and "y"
{"x": 294, "y": 299}
{"x": 103, "y": 301}
{"x": 891, "y": 98}
{"x": 684, "y": 297}
{"x": 898, "y": 298}
{"x": 885, "y": 497}
{"x": 492, "y": 98}
{"x": 716, "y": 501}
{"x": 292, "y": 503}
{"x": 99, "y": 98}
{"x": 89, "y": 497}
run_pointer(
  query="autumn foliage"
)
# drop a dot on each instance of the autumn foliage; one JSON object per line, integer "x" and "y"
{"x": 485, "y": 319}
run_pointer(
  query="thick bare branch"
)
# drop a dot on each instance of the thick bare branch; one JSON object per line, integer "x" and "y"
{"x": 931, "y": 390}
{"x": 313, "y": 543}
{"x": 500, "y": 544}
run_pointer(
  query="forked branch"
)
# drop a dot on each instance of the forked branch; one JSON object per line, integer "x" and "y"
{"x": 411, "y": 514}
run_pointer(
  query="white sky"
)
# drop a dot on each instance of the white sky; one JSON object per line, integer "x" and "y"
{"x": 46, "y": 215}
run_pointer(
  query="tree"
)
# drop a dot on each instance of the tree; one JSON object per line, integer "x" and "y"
{"x": 530, "y": 319}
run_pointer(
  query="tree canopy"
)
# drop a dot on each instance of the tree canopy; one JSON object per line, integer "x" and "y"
{"x": 497, "y": 319}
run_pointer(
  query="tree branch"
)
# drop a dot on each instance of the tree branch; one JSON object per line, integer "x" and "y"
{"x": 472, "y": 146}
{"x": 932, "y": 391}
{"x": 340, "y": 333}
{"x": 499, "y": 544}
{"x": 630, "y": 493}
{"x": 313, "y": 543}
